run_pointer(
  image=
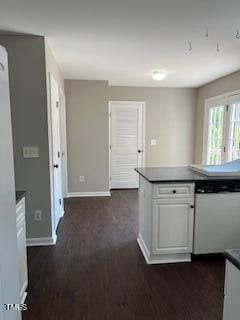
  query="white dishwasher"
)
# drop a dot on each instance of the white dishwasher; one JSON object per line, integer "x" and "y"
{"x": 217, "y": 216}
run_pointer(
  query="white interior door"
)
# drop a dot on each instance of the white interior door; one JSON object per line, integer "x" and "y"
{"x": 63, "y": 143}
{"x": 126, "y": 143}
{"x": 56, "y": 152}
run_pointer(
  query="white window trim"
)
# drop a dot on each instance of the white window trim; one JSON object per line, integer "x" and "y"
{"x": 220, "y": 99}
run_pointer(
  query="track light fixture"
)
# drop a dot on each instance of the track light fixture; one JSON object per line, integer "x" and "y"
{"x": 190, "y": 46}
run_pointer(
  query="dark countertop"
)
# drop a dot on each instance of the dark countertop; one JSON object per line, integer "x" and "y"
{"x": 177, "y": 174}
{"x": 20, "y": 195}
{"x": 233, "y": 256}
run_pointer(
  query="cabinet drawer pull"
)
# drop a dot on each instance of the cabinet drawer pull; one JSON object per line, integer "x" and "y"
{"x": 174, "y": 191}
{"x": 192, "y": 206}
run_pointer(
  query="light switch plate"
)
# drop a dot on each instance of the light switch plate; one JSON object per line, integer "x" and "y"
{"x": 153, "y": 142}
{"x": 31, "y": 152}
{"x": 82, "y": 178}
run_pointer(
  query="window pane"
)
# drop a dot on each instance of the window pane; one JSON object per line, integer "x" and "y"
{"x": 215, "y": 135}
{"x": 234, "y": 132}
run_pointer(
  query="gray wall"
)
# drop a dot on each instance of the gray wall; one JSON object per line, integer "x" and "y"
{"x": 30, "y": 127}
{"x": 87, "y": 135}
{"x": 28, "y": 68}
{"x": 170, "y": 119}
{"x": 223, "y": 85}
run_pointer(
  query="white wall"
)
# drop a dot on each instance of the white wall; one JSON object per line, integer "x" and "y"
{"x": 8, "y": 233}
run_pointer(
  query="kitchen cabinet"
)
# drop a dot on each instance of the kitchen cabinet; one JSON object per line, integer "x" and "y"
{"x": 166, "y": 214}
{"x": 183, "y": 212}
{"x": 172, "y": 226}
{"x": 231, "y": 309}
{"x": 22, "y": 251}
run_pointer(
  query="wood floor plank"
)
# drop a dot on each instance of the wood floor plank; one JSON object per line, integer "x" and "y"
{"x": 97, "y": 272}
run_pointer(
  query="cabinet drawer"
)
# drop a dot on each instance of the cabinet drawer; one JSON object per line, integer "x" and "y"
{"x": 173, "y": 190}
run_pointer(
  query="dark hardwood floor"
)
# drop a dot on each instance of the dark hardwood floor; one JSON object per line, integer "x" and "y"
{"x": 96, "y": 271}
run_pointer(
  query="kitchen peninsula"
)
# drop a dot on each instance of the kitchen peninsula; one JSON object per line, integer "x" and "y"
{"x": 179, "y": 212}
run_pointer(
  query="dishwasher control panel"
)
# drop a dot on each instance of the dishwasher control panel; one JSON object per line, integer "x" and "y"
{"x": 217, "y": 186}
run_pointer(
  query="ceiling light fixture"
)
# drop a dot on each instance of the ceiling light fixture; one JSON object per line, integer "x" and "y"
{"x": 159, "y": 75}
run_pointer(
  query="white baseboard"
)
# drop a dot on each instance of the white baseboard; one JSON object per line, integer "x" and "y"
{"x": 161, "y": 258}
{"x": 47, "y": 241}
{"x": 89, "y": 194}
{"x": 143, "y": 248}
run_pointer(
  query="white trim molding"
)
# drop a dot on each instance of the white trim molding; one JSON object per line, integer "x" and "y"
{"x": 161, "y": 258}
{"x": 45, "y": 241}
{"x": 89, "y": 194}
{"x": 143, "y": 248}
{"x": 223, "y": 99}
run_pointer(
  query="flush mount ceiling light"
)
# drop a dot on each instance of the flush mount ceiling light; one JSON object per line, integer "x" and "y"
{"x": 159, "y": 75}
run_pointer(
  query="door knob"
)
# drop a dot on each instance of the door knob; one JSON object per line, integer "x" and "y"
{"x": 55, "y": 165}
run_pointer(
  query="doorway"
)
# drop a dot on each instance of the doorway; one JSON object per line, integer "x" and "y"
{"x": 63, "y": 139}
{"x": 56, "y": 151}
{"x": 126, "y": 143}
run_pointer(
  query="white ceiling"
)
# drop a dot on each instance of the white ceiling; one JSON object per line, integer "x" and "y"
{"x": 122, "y": 41}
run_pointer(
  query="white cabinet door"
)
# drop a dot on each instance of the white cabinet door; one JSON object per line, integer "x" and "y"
{"x": 231, "y": 308}
{"x": 172, "y": 226}
{"x": 22, "y": 257}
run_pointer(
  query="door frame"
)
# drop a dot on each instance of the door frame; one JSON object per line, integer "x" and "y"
{"x": 50, "y": 143}
{"x": 130, "y": 102}
{"x": 63, "y": 133}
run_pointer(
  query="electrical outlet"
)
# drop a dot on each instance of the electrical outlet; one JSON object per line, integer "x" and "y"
{"x": 38, "y": 215}
{"x": 81, "y": 178}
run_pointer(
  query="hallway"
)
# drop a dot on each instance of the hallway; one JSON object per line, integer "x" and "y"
{"x": 96, "y": 271}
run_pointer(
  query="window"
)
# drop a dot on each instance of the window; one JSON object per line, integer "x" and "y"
{"x": 215, "y": 135}
{"x": 222, "y": 130}
{"x": 234, "y": 133}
